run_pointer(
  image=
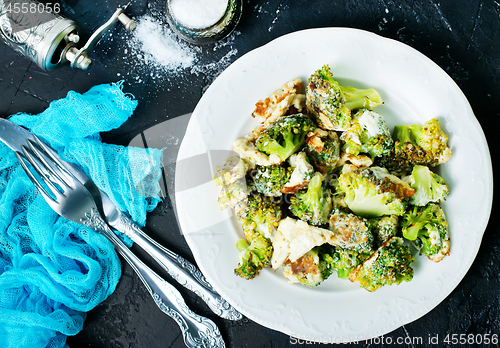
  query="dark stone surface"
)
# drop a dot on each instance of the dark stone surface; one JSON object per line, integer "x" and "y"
{"x": 461, "y": 36}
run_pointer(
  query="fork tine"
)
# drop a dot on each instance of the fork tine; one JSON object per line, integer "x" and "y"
{"x": 34, "y": 180}
{"x": 53, "y": 170}
{"x": 55, "y": 159}
{"x": 42, "y": 173}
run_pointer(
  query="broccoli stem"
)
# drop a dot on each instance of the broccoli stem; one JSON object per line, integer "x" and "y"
{"x": 423, "y": 184}
{"x": 361, "y": 98}
{"x": 242, "y": 245}
{"x": 417, "y": 221}
{"x": 416, "y": 133}
{"x": 403, "y": 134}
{"x": 314, "y": 191}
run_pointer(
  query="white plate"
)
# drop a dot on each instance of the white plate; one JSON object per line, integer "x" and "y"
{"x": 414, "y": 90}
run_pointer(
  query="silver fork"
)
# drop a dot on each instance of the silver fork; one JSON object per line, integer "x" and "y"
{"x": 69, "y": 198}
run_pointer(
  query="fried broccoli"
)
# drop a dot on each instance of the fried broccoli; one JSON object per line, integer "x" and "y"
{"x": 331, "y": 104}
{"x": 230, "y": 195}
{"x": 301, "y": 174}
{"x": 233, "y": 169}
{"x": 355, "y": 228}
{"x": 349, "y": 163}
{"x": 285, "y": 136}
{"x": 427, "y": 229}
{"x": 246, "y": 149}
{"x": 345, "y": 260}
{"x": 254, "y": 256}
{"x": 280, "y": 102}
{"x": 314, "y": 204}
{"x": 338, "y": 200}
{"x": 425, "y": 145}
{"x": 372, "y": 191}
{"x": 311, "y": 269}
{"x": 429, "y": 186}
{"x": 294, "y": 238}
{"x": 383, "y": 228}
{"x": 390, "y": 264}
{"x": 269, "y": 180}
{"x": 257, "y": 211}
{"x": 323, "y": 150}
{"x": 368, "y": 133}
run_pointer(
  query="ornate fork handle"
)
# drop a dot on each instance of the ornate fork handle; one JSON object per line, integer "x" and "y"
{"x": 180, "y": 269}
{"x": 197, "y": 331}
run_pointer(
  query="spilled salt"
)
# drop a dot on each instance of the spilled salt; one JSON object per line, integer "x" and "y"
{"x": 153, "y": 54}
{"x": 160, "y": 45}
{"x": 198, "y": 14}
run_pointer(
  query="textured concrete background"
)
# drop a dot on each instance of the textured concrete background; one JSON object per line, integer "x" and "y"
{"x": 461, "y": 36}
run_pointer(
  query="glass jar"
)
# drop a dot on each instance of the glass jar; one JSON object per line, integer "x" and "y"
{"x": 210, "y": 33}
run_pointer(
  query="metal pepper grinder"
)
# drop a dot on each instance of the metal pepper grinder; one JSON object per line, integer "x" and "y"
{"x": 39, "y": 32}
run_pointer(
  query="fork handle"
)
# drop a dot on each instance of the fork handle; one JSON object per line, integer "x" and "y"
{"x": 197, "y": 331}
{"x": 183, "y": 271}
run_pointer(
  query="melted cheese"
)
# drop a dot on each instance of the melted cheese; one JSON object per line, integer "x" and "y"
{"x": 370, "y": 122}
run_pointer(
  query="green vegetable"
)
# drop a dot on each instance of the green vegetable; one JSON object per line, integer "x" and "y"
{"x": 427, "y": 228}
{"x": 311, "y": 269}
{"x": 368, "y": 133}
{"x": 390, "y": 264}
{"x": 353, "y": 230}
{"x": 258, "y": 210}
{"x": 425, "y": 145}
{"x": 254, "y": 256}
{"x": 345, "y": 260}
{"x": 331, "y": 104}
{"x": 372, "y": 191}
{"x": 285, "y": 136}
{"x": 383, "y": 228}
{"x": 323, "y": 150}
{"x": 429, "y": 186}
{"x": 313, "y": 205}
{"x": 269, "y": 180}
{"x": 231, "y": 195}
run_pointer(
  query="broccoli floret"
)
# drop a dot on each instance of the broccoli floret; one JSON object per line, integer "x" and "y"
{"x": 311, "y": 269}
{"x": 313, "y": 205}
{"x": 427, "y": 229}
{"x": 331, "y": 104}
{"x": 231, "y": 195}
{"x": 390, "y": 264}
{"x": 433, "y": 140}
{"x": 345, "y": 260}
{"x": 355, "y": 228}
{"x": 246, "y": 149}
{"x": 269, "y": 180}
{"x": 254, "y": 256}
{"x": 368, "y": 133}
{"x": 372, "y": 191}
{"x": 285, "y": 136}
{"x": 383, "y": 228}
{"x": 429, "y": 186}
{"x": 425, "y": 145}
{"x": 323, "y": 150}
{"x": 259, "y": 210}
{"x": 338, "y": 201}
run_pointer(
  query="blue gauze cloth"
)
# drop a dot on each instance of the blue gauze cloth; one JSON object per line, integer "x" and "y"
{"x": 53, "y": 270}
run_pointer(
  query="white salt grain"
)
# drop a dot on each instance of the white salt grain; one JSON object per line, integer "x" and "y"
{"x": 161, "y": 46}
{"x": 198, "y": 14}
{"x": 153, "y": 53}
